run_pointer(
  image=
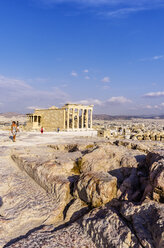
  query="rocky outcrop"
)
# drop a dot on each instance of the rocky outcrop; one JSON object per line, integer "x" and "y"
{"x": 108, "y": 229}
{"x": 155, "y": 184}
{"x": 107, "y": 189}
{"x": 48, "y": 174}
{"x": 96, "y": 188}
{"x": 126, "y": 225}
{"x": 118, "y": 161}
{"x": 147, "y": 222}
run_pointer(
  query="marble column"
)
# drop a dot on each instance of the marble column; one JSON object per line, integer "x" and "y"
{"x": 64, "y": 118}
{"x": 86, "y": 119}
{"x": 68, "y": 119}
{"x": 77, "y": 118}
{"x": 82, "y": 118}
{"x": 73, "y": 118}
{"x": 91, "y": 119}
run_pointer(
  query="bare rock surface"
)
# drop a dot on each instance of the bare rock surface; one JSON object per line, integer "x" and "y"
{"x": 147, "y": 222}
{"x": 72, "y": 236}
{"x": 118, "y": 161}
{"x": 47, "y": 190}
{"x": 107, "y": 229}
{"x": 52, "y": 172}
{"x": 155, "y": 184}
{"x": 97, "y": 188}
{"x": 24, "y": 205}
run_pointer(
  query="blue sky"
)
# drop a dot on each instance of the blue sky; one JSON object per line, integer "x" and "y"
{"x": 109, "y": 53}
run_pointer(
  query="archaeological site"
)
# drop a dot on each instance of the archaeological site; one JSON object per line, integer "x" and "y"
{"x": 81, "y": 123}
{"x": 69, "y": 117}
{"x": 71, "y": 189}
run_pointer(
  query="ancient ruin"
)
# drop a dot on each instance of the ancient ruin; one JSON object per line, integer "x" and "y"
{"x": 65, "y": 190}
{"x": 70, "y": 117}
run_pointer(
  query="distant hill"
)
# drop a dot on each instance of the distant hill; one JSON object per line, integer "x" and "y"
{"x": 11, "y": 114}
{"x": 123, "y": 117}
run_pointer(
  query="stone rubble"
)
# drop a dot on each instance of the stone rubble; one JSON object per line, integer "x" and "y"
{"x": 131, "y": 129}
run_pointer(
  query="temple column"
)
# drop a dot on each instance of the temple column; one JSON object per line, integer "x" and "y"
{"x": 77, "y": 118}
{"x": 73, "y": 118}
{"x": 64, "y": 119}
{"x": 91, "y": 119}
{"x": 68, "y": 119}
{"x": 32, "y": 120}
{"x": 82, "y": 118}
{"x": 86, "y": 119}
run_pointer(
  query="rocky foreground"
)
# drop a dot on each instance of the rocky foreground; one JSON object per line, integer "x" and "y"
{"x": 82, "y": 193}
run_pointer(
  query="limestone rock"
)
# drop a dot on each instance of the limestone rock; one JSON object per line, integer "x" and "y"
{"x": 118, "y": 161}
{"x": 75, "y": 209}
{"x": 96, "y": 188}
{"x": 155, "y": 186}
{"x": 108, "y": 229}
{"x": 148, "y": 221}
{"x": 129, "y": 189}
{"x": 46, "y": 175}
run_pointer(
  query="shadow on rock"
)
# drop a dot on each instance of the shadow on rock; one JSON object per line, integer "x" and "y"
{"x": 1, "y": 201}
{"x": 13, "y": 241}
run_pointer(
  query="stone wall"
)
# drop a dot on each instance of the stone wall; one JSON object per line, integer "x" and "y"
{"x": 52, "y": 119}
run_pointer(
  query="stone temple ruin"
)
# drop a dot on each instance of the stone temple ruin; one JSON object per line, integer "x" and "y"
{"x": 71, "y": 117}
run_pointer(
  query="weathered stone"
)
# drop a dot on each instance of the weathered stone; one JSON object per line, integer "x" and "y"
{"x": 47, "y": 174}
{"x": 129, "y": 188}
{"x": 148, "y": 221}
{"x": 24, "y": 205}
{"x": 155, "y": 186}
{"x": 107, "y": 229}
{"x": 75, "y": 209}
{"x": 97, "y": 188}
{"x": 118, "y": 161}
{"x": 65, "y": 118}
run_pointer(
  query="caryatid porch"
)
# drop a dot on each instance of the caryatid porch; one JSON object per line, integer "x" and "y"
{"x": 78, "y": 117}
{"x": 34, "y": 119}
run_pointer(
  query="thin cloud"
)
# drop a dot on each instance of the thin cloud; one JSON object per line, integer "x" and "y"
{"x": 112, "y": 100}
{"x": 122, "y": 12}
{"x": 86, "y": 71}
{"x": 91, "y": 102}
{"x": 74, "y": 74}
{"x": 156, "y": 57}
{"x": 33, "y": 107}
{"x": 87, "y": 77}
{"x": 15, "y": 93}
{"x": 106, "y": 80}
{"x": 105, "y": 2}
{"x": 112, "y": 7}
{"x": 148, "y": 107}
{"x": 152, "y": 107}
{"x": 154, "y": 94}
{"x": 105, "y": 87}
{"x": 118, "y": 100}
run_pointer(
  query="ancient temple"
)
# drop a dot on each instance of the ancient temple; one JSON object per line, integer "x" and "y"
{"x": 70, "y": 117}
